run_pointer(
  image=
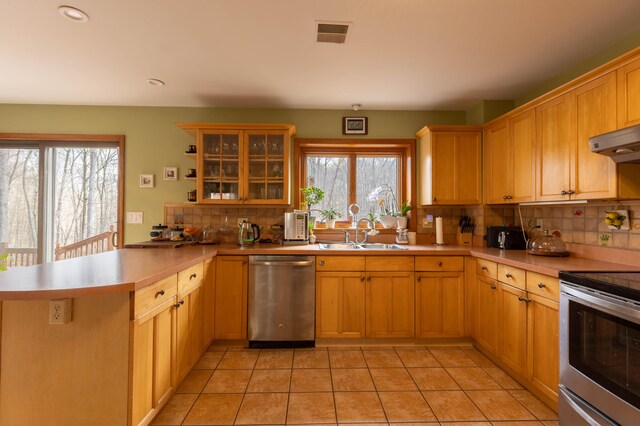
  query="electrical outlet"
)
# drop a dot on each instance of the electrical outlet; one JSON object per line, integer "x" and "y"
{"x": 134, "y": 217}
{"x": 427, "y": 221}
{"x": 59, "y": 311}
{"x": 242, "y": 219}
{"x": 539, "y": 223}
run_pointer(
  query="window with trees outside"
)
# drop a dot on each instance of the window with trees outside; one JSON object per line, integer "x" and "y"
{"x": 60, "y": 196}
{"x": 353, "y": 172}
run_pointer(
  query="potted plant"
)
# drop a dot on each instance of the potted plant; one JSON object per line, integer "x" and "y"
{"x": 312, "y": 196}
{"x": 388, "y": 205}
{"x": 329, "y": 216}
{"x": 405, "y": 208}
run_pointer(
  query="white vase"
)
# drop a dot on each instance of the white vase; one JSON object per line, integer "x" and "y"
{"x": 388, "y": 221}
{"x": 402, "y": 222}
{"x": 331, "y": 223}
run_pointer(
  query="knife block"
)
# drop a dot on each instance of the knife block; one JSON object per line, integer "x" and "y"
{"x": 464, "y": 239}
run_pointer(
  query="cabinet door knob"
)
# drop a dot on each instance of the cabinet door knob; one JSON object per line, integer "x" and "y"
{"x": 322, "y": 263}
{"x": 504, "y": 197}
{"x": 160, "y": 293}
{"x": 571, "y": 192}
{"x": 508, "y": 275}
{"x": 180, "y": 303}
{"x": 563, "y": 193}
{"x": 369, "y": 278}
{"x": 484, "y": 268}
{"x": 419, "y": 278}
{"x": 509, "y": 197}
{"x": 434, "y": 198}
{"x": 493, "y": 286}
{"x": 192, "y": 276}
{"x": 440, "y": 264}
{"x": 362, "y": 278}
{"x": 541, "y": 285}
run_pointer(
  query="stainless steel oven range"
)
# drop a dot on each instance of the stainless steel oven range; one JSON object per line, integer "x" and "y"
{"x": 599, "y": 348}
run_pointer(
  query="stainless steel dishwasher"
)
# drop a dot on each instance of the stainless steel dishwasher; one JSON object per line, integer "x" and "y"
{"x": 282, "y": 299}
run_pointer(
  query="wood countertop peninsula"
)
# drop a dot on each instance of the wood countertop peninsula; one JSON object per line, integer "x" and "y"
{"x": 127, "y": 270}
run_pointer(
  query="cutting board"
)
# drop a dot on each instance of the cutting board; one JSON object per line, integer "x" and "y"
{"x": 160, "y": 244}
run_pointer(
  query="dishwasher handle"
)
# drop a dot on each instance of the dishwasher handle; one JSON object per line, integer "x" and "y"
{"x": 282, "y": 263}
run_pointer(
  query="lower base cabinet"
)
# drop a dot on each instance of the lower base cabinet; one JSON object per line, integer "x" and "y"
{"x": 440, "y": 304}
{"x": 390, "y": 304}
{"x": 340, "y": 307}
{"x": 542, "y": 345}
{"x": 487, "y": 312}
{"x": 189, "y": 324}
{"x": 512, "y": 327}
{"x": 153, "y": 361}
{"x": 230, "y": 310}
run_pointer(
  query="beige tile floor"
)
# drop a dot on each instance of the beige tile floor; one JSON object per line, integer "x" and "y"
{"x": 383, "y": 385}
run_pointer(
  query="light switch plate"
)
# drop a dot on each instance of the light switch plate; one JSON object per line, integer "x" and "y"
{"x": 134, "y": 217}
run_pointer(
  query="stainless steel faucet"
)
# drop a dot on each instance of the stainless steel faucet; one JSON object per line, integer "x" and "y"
{"x": 365, "y": 232}
{"x": 347, "y": 236}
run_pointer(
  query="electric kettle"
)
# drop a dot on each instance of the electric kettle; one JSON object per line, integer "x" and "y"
{"x": 248, "y": 233}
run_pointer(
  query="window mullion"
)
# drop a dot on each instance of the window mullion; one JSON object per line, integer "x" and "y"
{"x": 47, "y": 200}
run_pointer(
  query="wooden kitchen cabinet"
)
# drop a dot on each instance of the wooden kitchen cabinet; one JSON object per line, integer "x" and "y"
{"x": 390, "y": 304}
{"x": 242, "y": 163}
{"x": 440, "y": 304}
{"x": 487, "y": 312}
{"x": 230, "y": 306}
{"x": 340, "y": 305}
{"x": 208, "y": 296}
{"x": 509, "y": 160}
{"x": 555, "y": 138}
{"x": 512, "y": 327}
{"x": 450, "y": 170}
{"x": 189, "y": 325}
{"x": 628, "y": 88}
{"x": 153, "y": 354}
{"x": 543, "y": 345}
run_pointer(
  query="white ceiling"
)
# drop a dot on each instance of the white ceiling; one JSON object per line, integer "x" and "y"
{"x": 399, "y": 55}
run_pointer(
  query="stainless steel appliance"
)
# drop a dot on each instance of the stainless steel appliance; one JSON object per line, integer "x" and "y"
{"x": 623, "y": 145}
{"x": 282, "y": 297}
{"x": 296, "y": 225}
{"x": 599, "y": 348}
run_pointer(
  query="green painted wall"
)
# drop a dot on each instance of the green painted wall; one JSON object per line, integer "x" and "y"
{"x": 581, "y": 68}
{"x": 487, "y": 110}
{"x": 153, "y": 141}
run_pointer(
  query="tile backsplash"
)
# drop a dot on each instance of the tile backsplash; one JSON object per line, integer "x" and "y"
{"x": 202, "y": 216}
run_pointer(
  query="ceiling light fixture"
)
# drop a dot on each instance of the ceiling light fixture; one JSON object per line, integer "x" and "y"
{"x": 73, "y": 14}
{"x": 156, "y": 82}
{"x": 356, "y": 107}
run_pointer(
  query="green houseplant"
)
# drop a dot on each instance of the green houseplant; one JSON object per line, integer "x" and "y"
{"x": 312, "y": 194}
{"x": 330, "y": 215}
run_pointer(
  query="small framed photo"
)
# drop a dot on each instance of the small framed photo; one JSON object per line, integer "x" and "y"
{"x": 170, "y": 173}
{"x": 146, "y": 181}
{"x": 354, "y": 125}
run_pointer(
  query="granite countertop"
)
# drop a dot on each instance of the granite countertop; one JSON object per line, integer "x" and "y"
{"x": 127, "y": 270}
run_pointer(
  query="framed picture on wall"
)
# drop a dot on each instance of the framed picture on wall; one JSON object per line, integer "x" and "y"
{"x": 146, "y": 181}
{"x": 355, "y": 125}
{"x": 170, "y": 173}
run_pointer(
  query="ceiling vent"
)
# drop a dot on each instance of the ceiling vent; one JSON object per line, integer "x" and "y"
{"x": 332, "y": 33}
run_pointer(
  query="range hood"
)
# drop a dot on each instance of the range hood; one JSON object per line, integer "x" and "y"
{"x": 623, "y": 146}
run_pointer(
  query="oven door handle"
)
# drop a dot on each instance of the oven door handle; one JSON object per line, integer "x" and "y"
{"x": 609, "y": 305}
{"x": 588, "y": 414}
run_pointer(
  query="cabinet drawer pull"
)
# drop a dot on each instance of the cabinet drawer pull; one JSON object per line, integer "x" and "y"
{"x": 180, "y": 303}
{"x": 508, "y": 275}
{"x": 484, "y": 268}
{"x": 160, "y": 293}
{"x": 520, "y": 298}
{"x": 368, "y": 278}
{"x": 504, "y": 197}
{"x": 322, "y": 263}
{"x": 541, "y": 285}
{"x": 192, "y": 276}
{"x": 440, "y": 264}
{"x": 362, "y": 278}
{"x": 419, "y": 279}
{"x": 493, "y": 286}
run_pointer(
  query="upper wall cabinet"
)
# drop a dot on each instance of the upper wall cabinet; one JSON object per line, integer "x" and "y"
{"x": 509, "y": 160}
{"x": 450, "y": 170}
{"x": 242, "y": 163}
{"x": 629, "y": 94}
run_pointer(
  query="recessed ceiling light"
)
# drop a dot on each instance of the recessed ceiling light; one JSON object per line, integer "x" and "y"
{"x": 356, "y": 107}
{"x": 155, "y": 82}
{"x": 73, "y": 14}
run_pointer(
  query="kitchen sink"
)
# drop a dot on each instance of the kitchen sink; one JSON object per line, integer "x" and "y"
{"x": 353, "y": 246}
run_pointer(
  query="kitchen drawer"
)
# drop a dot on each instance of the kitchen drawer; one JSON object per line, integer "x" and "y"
{"x": 487, "y": 268}
{"x": 513, "y": 276}
{"x": 439, "y": 263}
{"x": 340, "y": 263}
{"x": 190, "y": 278}
{"x": 389, "y": 263}
{"x": 543, "y": 285}
{"x": 154, "y": 295}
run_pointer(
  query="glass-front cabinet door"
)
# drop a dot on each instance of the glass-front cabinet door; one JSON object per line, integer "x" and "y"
{"x": 220, "y": 174}
{"x": 267, "y": 166}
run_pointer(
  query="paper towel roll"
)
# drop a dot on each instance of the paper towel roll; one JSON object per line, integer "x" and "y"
{"x": 439, "y": 232}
